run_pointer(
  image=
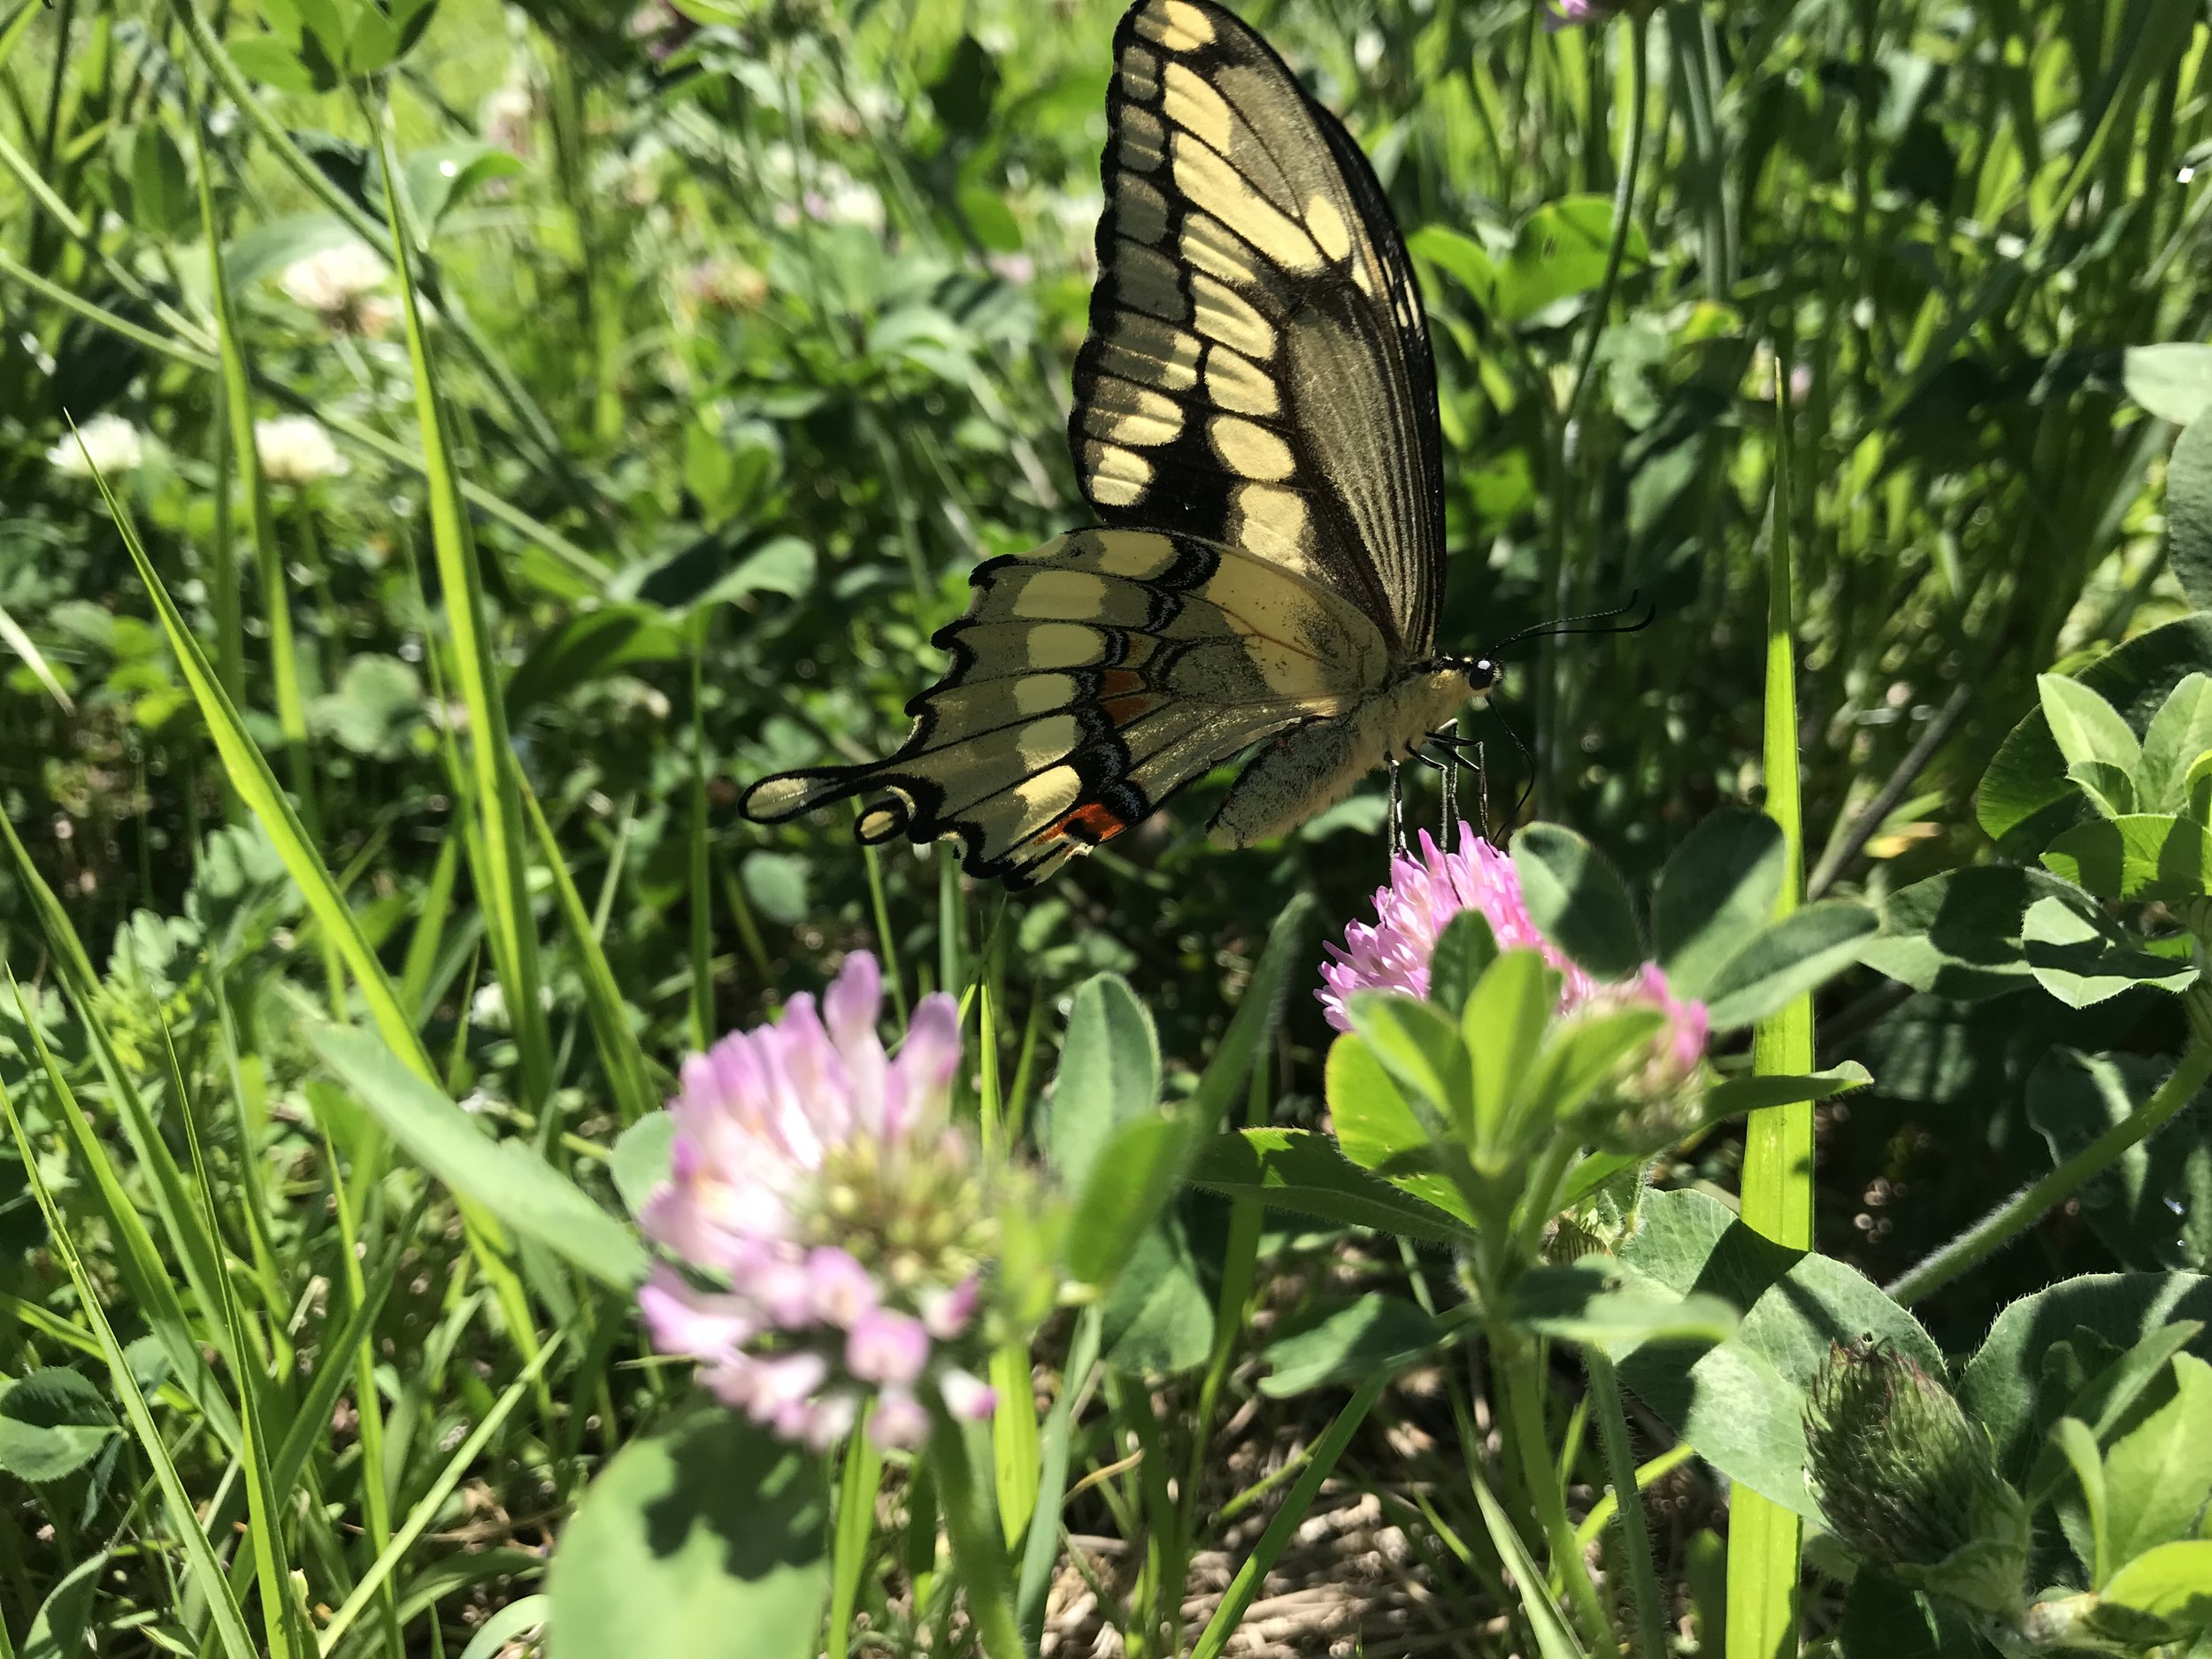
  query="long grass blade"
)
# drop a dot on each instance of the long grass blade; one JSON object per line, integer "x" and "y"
{"x": 272, "y": 1567}
{"x": 1764, "y": 1538}
{"x": 204, "y": 1569}
{"x": 619, "y": 1049}
{"x": 496, "y": 798}
{"x": 432, "y": 1502}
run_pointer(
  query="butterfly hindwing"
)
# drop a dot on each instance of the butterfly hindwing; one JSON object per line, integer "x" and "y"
{"x": 1258, "y": 371}
{"x": 1091, "y": 680}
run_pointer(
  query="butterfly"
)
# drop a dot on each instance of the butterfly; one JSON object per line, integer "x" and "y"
{"x": 1255, "y": 424}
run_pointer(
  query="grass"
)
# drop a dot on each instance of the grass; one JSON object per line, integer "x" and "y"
{"x": 675, "y": 435}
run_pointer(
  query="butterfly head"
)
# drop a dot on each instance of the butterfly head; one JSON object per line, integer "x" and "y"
{"x": 1481, "y": 673}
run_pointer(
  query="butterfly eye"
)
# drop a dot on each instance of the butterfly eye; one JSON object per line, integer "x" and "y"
{"x": 1482, "y": 675}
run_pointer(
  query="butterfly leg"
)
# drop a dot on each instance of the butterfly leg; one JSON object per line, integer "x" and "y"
{"x": 1451, "y": 787}
{"x": 1397, "y": 814}
{"x": 1460, "y": 751}
{"x": 1482, "y": 794}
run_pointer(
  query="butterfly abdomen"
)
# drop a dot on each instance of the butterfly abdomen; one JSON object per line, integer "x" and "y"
{"x": 1311, "y": 767}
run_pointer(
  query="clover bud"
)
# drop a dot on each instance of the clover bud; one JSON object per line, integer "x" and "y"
{"x": 1657, "y": 1094}
{"x": 1906, "y": 1479}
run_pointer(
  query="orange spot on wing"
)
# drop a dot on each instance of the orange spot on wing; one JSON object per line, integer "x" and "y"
{"x": 1122, "y": 711}
{"x": 1092, "y": 822}
{"x": 1119, "y": 682}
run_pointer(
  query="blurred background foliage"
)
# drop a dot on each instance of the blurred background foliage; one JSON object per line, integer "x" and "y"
{"x": 754, "y": 320}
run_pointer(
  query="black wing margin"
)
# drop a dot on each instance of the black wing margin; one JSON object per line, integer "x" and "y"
{"x": 1258, "y": 370}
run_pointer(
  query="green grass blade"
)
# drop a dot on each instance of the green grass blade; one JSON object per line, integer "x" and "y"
{"x": 272, "y": 1567}
{"x": 276, "y": 602}
{"x": 358, "y": 1344}
{"x": 1214, "y": 1639}
{"x": 206, "y": 1570}
{"x": 1043, "y": 1548}
{"x": 193, "y": 1249}
{"x": 415, "y": 981}
{"x": 1553, "y": 1638}
{"x": 237, "y": 397}
{"x": 318, "y": 184}
{"x": 496, "y": 795}
{"x": 1764, "y": 1538}
{"x": 620, "y": 1051}
{"x": 696, "y": 847}
{"x": 257, "y": 786}
{"x": 432, "y": 1502}
{"x": 144, "y": 1275}
{"x": 12, "y": 636}
{"x": 857, "y": 1484}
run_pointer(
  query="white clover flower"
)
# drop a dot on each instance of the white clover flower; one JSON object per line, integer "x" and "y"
{"x": 295, "y": 450}
{"x": 111, "y": 445}
{"x": 336, "y": 284}
{"x": 506, "y": 115}
{"x": 489, "y": 1007}
{"x": 845, "y": 200}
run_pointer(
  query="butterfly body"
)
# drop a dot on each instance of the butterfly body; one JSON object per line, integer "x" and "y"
{"x": 1312, "y": 768}
{"x": 1255, "y": 425}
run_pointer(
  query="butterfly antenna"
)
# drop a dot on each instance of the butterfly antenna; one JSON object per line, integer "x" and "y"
{"x": 1589, "y": 622}
{"x": 1528, "y": 787}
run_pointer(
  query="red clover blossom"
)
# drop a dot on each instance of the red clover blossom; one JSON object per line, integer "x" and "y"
{"x": 832, "y": 1224}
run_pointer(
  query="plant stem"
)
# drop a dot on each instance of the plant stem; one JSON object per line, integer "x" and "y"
{"x": 975, "y": 1547}
{"x": 1623, "y": 211}
{"x": 858, "y": 1483}
{"x": 1628, "y": 1498}
{"x": 1764, "y": 1538}
{"x": 1042, "y": 1547}
{"x": 884, "y": 941}
{"x": 1521, "y": 1401}
{"x": 1246, "y": 1586}
{"x": 2005, "y": 1223}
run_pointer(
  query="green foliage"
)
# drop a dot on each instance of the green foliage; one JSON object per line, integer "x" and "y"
{"x": 735, "y": 341}
{"x": 1742, "y": 1404}
{"x": 705, "y": 1527}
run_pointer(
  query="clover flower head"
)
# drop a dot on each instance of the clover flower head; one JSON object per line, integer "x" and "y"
{"x": 1393, "y": 953}
{"x": 1653, "y": 1098}
{"x": 722, "y": 283}
{"x": 296, "y": 449}
{"x": 338, "y": 285}
{"x": 1568, "y": 14}
{"x": 832, "y": 1229}
{"x": 110, "y": 445}
{"x": 507, "y": 113}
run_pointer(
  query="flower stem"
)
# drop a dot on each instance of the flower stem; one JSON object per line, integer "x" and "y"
{"x": 2001, "y": 1224}
{"x": 1628, "y": 1498}
{"x": 1521, "y": 1400}
{"x": 976, "y": 1554}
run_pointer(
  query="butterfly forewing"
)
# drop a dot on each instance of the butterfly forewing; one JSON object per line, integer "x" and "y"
{"x": 1255, "y": 421}
{"x": 1258, "y": 370}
